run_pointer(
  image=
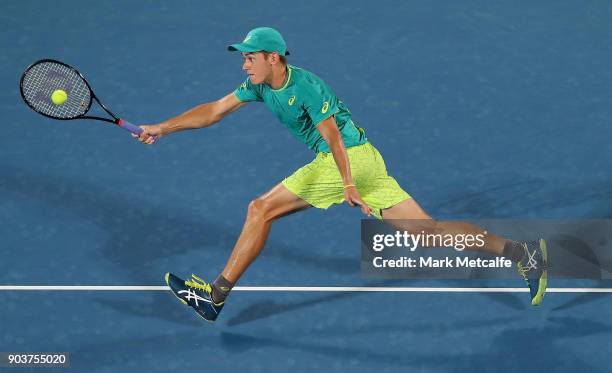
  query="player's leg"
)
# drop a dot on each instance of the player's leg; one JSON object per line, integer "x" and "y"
{"x": 208, "y": 299}
{"x": 531, "y": 257}
{"x": 409, "y": 216}
{"x": 262, "y": 211}
{"x": 392, "y": 204}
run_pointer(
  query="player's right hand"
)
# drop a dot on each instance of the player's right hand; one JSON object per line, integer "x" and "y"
{"x": 353, "y": 198}
{"x": 149, "y": 135}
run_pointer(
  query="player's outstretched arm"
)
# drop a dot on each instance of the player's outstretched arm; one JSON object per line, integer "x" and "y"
{"x": 201, "y": 116}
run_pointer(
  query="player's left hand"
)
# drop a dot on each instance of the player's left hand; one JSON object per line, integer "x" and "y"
{"x": 353, "y": 198}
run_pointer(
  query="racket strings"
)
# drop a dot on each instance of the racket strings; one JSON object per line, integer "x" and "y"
{"x": 42, "y": 79}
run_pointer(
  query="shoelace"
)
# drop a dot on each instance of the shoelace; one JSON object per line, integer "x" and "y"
{"x": 532, "y": 263}
{"x": 198, "y": 283}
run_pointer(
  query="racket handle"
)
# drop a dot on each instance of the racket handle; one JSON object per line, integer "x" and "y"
{"x": 129, "y": 127}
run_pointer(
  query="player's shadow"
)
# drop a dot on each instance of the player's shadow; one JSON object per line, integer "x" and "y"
{"x": 158, "y": 306}
{"x": 581, "y": 301}
{"x": 415, "y": 327}
{"x": 510, "y": 300}
{"x": 269, "y": 307}
{"x": 514, "y": 199}
{"x": 546, "y": 338}
{"x": 479, "y": 350}
{"x": 484, "y": 203}
{"x": 166, "y": 346}
{"x": 236, "y": 342}
{"x": 140, "y": 233}
{"x": 265, "y": 308}
{"x": 485, "y": 356}
{"x": 510, "y": 200}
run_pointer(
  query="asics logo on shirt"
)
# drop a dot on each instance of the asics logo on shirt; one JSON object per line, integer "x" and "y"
{"x": 291, "y": 100}
{"x": 325, "y": 107}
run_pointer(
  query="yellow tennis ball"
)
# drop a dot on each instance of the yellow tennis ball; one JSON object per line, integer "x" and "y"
{"x": 59, "y": 97}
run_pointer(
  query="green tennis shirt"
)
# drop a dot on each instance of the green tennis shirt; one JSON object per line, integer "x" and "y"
{"x": 301, "y": 104}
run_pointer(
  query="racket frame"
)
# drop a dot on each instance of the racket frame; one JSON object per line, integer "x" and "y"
{"x": 115, "y": 119}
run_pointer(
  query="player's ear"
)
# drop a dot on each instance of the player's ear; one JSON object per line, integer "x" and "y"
{"x": 273, "y": 58}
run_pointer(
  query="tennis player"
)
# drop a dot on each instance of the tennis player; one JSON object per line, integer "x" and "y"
{"x": 347, "y": 167}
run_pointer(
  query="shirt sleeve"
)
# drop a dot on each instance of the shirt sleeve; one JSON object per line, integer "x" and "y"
{"x": 320, "y": 102}
{"x": 248, "y": 92}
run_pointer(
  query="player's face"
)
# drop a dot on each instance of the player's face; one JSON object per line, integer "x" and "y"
{"x": 257, "y": 67}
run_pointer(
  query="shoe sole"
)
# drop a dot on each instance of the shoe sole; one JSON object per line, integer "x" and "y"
{"x": 543, "y": 283}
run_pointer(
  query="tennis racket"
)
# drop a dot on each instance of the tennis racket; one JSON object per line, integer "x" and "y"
{"x": 44, "y": 77}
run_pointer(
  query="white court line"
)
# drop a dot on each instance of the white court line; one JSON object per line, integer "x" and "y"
{"x": 310, "y": 289}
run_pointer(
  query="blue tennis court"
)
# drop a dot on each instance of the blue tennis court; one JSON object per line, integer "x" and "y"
{"x": 481, "y": 110}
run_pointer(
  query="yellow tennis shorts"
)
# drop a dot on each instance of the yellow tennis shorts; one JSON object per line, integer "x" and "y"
{"x": 320, "y": 184}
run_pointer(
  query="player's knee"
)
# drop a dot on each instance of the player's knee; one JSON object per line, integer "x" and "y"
{"x": 258, "y": 209}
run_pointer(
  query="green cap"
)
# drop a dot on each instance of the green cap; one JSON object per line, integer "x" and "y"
{"x": 262, "y": 39}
